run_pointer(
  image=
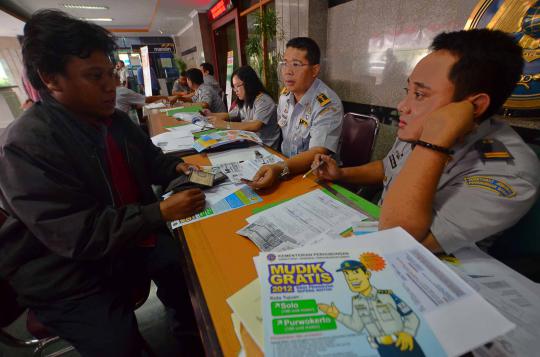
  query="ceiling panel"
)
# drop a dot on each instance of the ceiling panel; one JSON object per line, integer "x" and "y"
{"x": 11, "y": 26}
{"x": 171, "y": 15}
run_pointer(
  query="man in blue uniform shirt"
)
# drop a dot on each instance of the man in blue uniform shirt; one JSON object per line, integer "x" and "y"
{"x": 310, "y": 114}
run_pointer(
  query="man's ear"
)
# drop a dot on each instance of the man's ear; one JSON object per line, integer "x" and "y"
{"x": 315, "y": 69}
{"x": 50, "y": 81}
{"x": 480, "y": 103}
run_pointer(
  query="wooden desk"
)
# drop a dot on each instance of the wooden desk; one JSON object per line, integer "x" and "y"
{"x": 157, "y": 121}
{"x": 222, "y": 262}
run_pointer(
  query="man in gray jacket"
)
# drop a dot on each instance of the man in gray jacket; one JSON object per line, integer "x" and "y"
{"x": 84, "y": 226}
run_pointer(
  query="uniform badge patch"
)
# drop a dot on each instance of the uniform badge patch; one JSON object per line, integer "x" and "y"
{"x": 323, "y": 99}
{"x": 304, "y": 122}
{"x": 491, "y": 184}
{"x": 392, "y": 161}
{"x": 492, "y": 149}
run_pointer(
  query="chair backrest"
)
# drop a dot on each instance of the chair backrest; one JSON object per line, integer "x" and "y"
{"x": 358, "y": 138}
{"x": 384, "y": 141}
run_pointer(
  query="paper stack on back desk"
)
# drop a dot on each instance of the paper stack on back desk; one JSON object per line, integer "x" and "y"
{"x": 155, "y": 105}
{"x": 367, "y": 295}
{"x": 174, "y": 141}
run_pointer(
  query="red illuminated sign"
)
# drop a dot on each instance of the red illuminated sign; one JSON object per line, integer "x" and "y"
{"x": 219, "y": 8}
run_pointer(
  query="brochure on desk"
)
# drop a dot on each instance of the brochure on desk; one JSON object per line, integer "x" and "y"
{"x": 379, "y": 294}
{"x": 221, "y": 199}
{"x": 224, "y": 137}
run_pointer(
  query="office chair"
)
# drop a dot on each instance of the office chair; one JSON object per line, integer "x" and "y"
{"x": 358, "y": 138}
{"x": 357, "y": 143}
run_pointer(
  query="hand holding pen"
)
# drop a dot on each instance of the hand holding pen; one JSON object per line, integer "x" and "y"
{"x": 326, "y": 168}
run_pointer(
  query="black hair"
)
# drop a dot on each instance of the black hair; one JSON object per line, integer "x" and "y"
{"x": 183, "y": 74}
{"x": 51, "y": 37}
{"x": 195, "y": 75}
{"x": 252, "y": 85}
{"x": 208, "y": 67}
{"x": 489, "y": 61}
{"x": 309, "y": 45}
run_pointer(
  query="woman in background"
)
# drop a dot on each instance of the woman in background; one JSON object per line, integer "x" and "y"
{"x": 255, "y": 110}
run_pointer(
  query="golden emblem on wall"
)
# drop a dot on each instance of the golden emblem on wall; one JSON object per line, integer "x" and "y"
{"x": 520, "y": 18}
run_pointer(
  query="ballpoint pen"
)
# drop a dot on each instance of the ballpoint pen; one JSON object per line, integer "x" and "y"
{"x": 313, "y": 169}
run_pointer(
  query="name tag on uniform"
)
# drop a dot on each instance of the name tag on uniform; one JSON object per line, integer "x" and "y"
{"x": 282, "y": 122}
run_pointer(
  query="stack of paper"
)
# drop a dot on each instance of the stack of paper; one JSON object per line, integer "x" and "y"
{"x": 515, "y": 296}
{"x": 378, "y": 293}
{"x": 220, "y": 138}
{"x": 175, "y": 140}
{"x": 190, "y": 109}
{"x": 240, "y": 170}
{"x": 307, "y": 219}
{"x": 155, "y": 105}
{"x": 246, "y": 306}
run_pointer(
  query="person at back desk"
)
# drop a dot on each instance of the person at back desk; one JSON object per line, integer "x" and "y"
{"x": 126, "y": 98}
{"x": 180, "y": 86}
{"x": 455, "y": 175}
{"x": 208, "y": 76}
{"x": 255, "y": 109}
{"x": 202, "y": 93}
{"x": 310, "y": 114}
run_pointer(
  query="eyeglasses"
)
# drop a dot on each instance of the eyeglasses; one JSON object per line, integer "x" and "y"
{"x": 237, "y": 87}
{"x": 293, "y": 66}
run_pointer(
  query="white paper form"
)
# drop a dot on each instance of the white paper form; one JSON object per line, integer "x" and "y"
{"x": 237, "y": 155}
{"x": 236, "y": 171}
{"x": 186, "y": 116}
{"x": 155, "y": 105}
{"x": 515, "y": 296}
{"x": 246, "y": 304}
{"x": 306, "y": 219}
{"x": 171, "y": 141}
{"x": 184, "y": 129}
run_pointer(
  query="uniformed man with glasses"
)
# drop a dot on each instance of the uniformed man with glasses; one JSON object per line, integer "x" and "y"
{"x": 310, "y": 114}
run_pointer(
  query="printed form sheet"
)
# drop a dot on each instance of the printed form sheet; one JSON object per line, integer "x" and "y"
{"x": 306, "y": 219}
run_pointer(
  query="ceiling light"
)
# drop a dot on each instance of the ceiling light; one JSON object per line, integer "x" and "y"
{"x": 96, "y": 19}
{"x": 85, "y": 7}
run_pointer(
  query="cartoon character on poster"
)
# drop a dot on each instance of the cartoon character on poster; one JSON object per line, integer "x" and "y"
{"x": 389, "y": 323}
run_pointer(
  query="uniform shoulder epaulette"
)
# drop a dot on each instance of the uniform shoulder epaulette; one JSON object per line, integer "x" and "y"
{"x": 492, "y": 149}
{"x": 323, "y": 99}
{"x": 386, "y": 292}
{"x": 284, "y": 91}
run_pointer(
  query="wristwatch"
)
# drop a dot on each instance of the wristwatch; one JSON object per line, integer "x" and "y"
{"x": 285, "y": 172}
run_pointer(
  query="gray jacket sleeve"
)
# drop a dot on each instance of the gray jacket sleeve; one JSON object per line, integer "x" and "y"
{"x": 46, "y": 190}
